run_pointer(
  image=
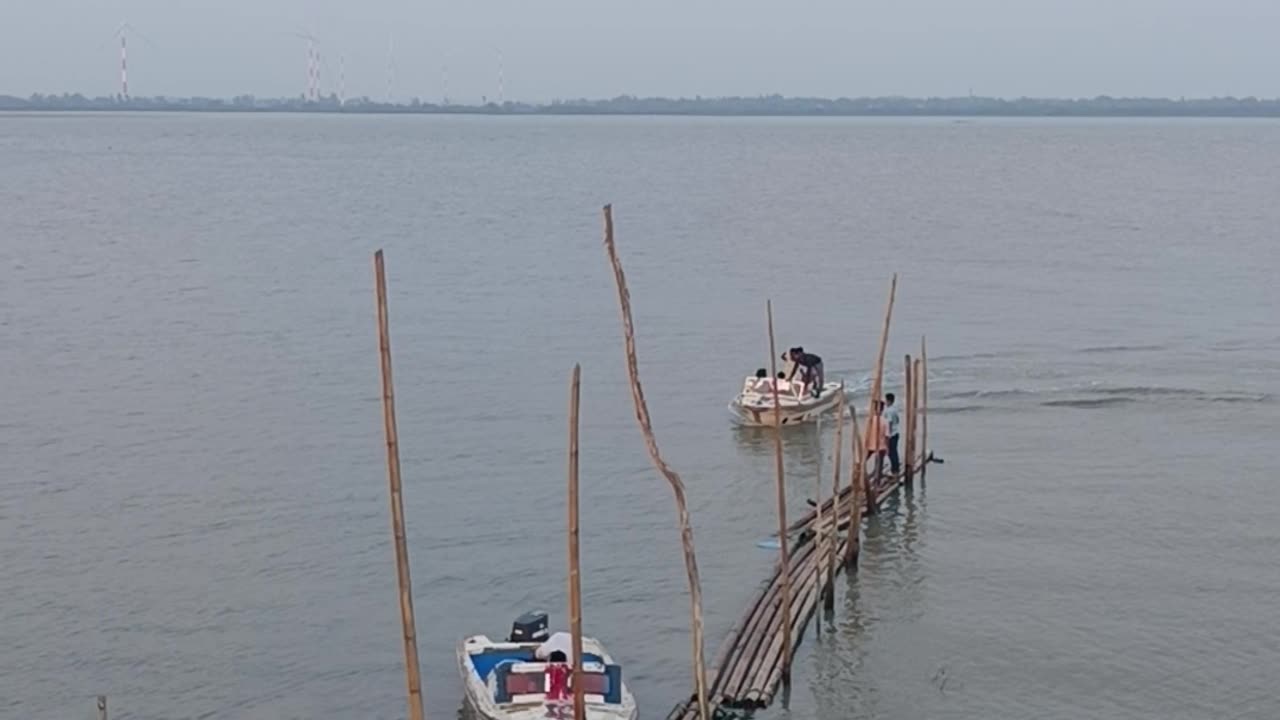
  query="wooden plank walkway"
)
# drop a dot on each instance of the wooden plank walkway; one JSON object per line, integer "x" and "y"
{"x": 749, "y": 666}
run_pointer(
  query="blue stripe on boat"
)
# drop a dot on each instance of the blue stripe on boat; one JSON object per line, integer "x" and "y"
{"x": 485, "y": 662}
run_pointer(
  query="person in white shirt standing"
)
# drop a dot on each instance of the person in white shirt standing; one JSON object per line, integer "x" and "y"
{"x": 891, "y": 422}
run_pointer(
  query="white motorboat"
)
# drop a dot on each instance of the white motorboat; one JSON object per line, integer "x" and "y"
{"x": 511, "y": 681}
{"x": 754, "y": 405}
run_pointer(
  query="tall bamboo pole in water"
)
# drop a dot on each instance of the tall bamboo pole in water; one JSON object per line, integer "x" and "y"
{"x": 917, "y": 372}
{"x": 877, "y": 382}
{"x": 575, "y": 578}
{"x": 924, "y": 409}
{"x": 905, "y": 419}
{"x": 857, "y": 488}
{"x": 878, "y": 378}
{"x": 784, "y": 558}
{"x": 829, "y": 597}
{"x": 817, "y": 524}
{"x": 673, "y": 478}
{"x": 412, "y": 675}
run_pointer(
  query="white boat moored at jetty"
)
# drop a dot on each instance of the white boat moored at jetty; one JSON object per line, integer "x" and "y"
{"x": 513, "y": 680}
{"x": 754, "y": 405}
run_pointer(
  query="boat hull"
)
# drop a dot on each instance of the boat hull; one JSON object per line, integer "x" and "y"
{"x": 479, "y": 690}
{"x": 756, "y": 410}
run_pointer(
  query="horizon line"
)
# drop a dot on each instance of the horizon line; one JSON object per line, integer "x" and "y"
{"x": 729, "y": 106}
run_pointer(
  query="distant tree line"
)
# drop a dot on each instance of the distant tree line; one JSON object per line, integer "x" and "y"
{"x": 765, "y": 105}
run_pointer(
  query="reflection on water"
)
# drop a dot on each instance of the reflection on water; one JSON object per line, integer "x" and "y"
{"x": 888, "y": 586}
{"x": 804, "y": 448}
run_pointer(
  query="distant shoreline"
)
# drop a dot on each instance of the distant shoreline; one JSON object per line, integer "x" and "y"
{"x": 765, "y": 106}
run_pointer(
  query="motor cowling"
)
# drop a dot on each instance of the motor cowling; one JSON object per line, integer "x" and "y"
{"x": 530, "y": 627}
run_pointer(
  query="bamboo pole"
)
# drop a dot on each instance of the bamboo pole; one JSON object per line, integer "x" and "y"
{"x": 102, "y": 707}
{"x": 857, "y": 491}
{"x": 829, "y": 597}
{"x": 412, "y": 675}
{"x": 575, "y": 578}
{"x": 877, "y": 382}
{"x": 924, "y": 409}
{"x": 917, "y": 373}
{"x": 878, "y": 378}
{"x": 817, "y": 521}
{"x": 905, "y": 420}
{"x": 915, "y": 415}
{"x": 672, "y": 477}
{"x": 783, "y": 563}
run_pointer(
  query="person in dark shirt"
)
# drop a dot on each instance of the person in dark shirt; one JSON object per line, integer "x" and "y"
{"x": 810, "y": 367}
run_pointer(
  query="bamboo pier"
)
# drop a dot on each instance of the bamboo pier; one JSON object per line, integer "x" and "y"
{"x": 750, "y": 663}
{"x": 755, "y": 659}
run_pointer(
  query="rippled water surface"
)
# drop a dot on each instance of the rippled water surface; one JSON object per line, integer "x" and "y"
{"x": 193, "y": 513}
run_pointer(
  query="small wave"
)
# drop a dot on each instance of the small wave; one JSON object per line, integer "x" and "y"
{"x": 1007, "y": 392}
{"x": 1242, "y": 398}
{"x": 1147, "y": 391}
{"x": 956, "y": 409}
{"x": 1087, "y": 403}
{"x": 972, "y": 356}
{"x": 1121, "y": 348}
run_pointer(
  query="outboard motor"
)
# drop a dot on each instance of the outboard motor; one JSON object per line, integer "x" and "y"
{"x": 529, "y": 627}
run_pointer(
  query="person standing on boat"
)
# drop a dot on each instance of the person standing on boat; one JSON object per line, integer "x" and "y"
{"x": 559, "y": 699}
{"x": 809, "y": 365}
{"x": 891, "y": 422}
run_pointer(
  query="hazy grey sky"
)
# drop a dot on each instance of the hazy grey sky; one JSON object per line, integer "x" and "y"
{"x": 595, "y": 48}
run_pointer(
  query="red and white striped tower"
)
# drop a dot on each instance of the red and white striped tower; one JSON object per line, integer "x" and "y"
{"x": 315, "y": 79}
{"x": 311, "y": 69}
{"x": 342, "y": 80}
{"x": 124, "y": 66}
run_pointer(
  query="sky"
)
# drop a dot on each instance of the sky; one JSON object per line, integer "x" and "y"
{"x": 547, "y": 49}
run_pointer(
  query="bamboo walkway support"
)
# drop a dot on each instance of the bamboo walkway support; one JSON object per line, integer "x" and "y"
{"x": 917, "y": 384}
{"x": 412, "y": 673}
{"x": 751, "y": 662}
{"x": 908, "y": 402}
{"x": 829, "y": 598}
{"x": 924, "y": 406}
{"x": 819, "y": 540}
{"x": 877, "y": 382}
{"x": 783, "y": 551}
{"x": 575, "y": 578}
{"x": 673, "y": 478}
{"x": 858, "y": 490}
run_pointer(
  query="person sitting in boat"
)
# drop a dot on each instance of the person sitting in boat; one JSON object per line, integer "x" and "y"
{"x": 809, "y": 366}
{"x": 761, "y": 384}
